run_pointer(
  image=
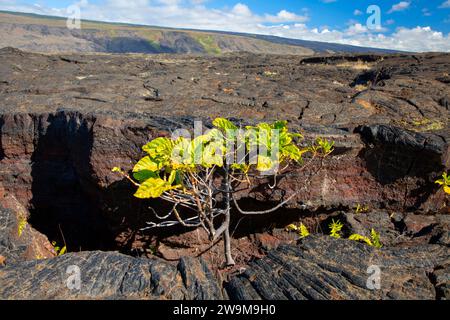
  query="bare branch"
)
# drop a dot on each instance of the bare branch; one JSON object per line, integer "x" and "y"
{"x": 264, "y": 211}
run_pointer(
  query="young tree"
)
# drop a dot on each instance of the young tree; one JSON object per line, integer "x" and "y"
{"x": 202, "y": 175}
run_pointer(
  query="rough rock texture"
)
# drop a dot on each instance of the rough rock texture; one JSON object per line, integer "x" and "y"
{"x": 323, "y": 268}
{"x": 18, "y": 240}
{"x": 66, "y": 120}
{"x": 69, "y": 119}
{"x": 107, "y": 275}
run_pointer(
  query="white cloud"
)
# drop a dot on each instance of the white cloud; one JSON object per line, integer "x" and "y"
{"x": 241, "y": 10}
{"x": 402, "y": 5}
{"x": 240, "y": 18}
{"x": 357, "y": 12}
{"x": 445, "y": 4}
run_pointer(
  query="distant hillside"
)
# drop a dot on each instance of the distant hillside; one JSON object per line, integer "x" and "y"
{"x": 49, "y": 34}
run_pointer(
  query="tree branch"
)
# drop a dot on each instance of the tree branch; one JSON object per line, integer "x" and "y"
{"x": 264, "y": 211}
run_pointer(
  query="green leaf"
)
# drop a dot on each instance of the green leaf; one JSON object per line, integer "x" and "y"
{"x": 293, "y": 152}
{"x": 280, "y": 125}
{"x": 159, "y": 148}
{"x": 224, "y": 124}
{"x": 304, "y": 232}
{"x": 336, "y": 227}
{"x": 264, "y": 163}
{"x": 153, "y": 188}
{"x": 212, "y": 155}
{"x": 172, "y": 177}
{"x": 143, "y": 175}
{"x": 358, "y": 237}
{"x": 148, "y": 164}
{"x": 62, "y": 251}
{"x": 264, "y": 126}
{"x": 447, "y": 189}
{"x": 375, "y": 239}
{"x": 181, "y": 152}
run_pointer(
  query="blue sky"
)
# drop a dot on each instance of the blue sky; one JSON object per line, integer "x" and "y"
{"x": 417, "y": 25}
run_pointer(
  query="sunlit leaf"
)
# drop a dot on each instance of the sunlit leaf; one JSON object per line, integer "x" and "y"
{"x": 143, "y": 175}
{"x": 148, "y": 164}
{"x": 224, "y": 124}
{"x": 152, "y": 188}
{"x": 358, "y": 237}
{"x": 159, "y": 148}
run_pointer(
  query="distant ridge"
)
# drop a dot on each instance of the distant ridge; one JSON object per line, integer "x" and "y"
{"x": 42, "y": 33}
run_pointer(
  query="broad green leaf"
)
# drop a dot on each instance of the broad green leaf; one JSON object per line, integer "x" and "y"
{"x": 153, "y": 188}
{"x": 285, "y": 139}
{"x": 143, "y": 175}
{"x": 146, "y": 163}
{"x": 224, "y": 124}
{"x": 447, "y": 189}
{"x": 159, "y": 148}
{"x": 264, "y": 163}
{"x": 280, "y": 125}
{"x": 293, "y": 152}
{"x": 264, "y": 126}
{"x": 181, "y": 151}
{"x": 212, "y": 155}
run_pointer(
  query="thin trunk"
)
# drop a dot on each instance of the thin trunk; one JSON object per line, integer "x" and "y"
{"x": 226, "y": 235}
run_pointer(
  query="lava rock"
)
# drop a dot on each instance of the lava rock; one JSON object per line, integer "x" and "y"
{"x": 321, "y": 267}
{"x": 107, "y": 275}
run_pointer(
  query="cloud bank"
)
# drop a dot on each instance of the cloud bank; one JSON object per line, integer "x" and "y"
{"x": 240, "y": 18}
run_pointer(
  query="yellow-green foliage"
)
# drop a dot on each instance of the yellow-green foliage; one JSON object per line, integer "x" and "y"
{"x": 373, "y": 242}
{"x": 335, "y": 229}
{"x": 302, "y": 230}
{"x": 375, "y": 239}
{"x": 323, "y": 145}
{"x": 21, "y": 226}
{"x": 59, "y": 251}
{"x": 169, "y": 161}
{"x": 444, "y": 182}
{"x": 358, "y": 237}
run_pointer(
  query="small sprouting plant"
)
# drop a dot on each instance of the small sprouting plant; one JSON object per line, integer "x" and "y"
{"x": 59, "y": 251}
{"x": 444, "y": 182}
{"x": 21, "y": 226}
{"x": 373, "y": 241}
{"x": 302, "y": 230}
{"x": 203, "y": 175}
{"x": 335, "y": 229}
{"x": 361, "y": 208}
{"x": 323, "y": 146}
